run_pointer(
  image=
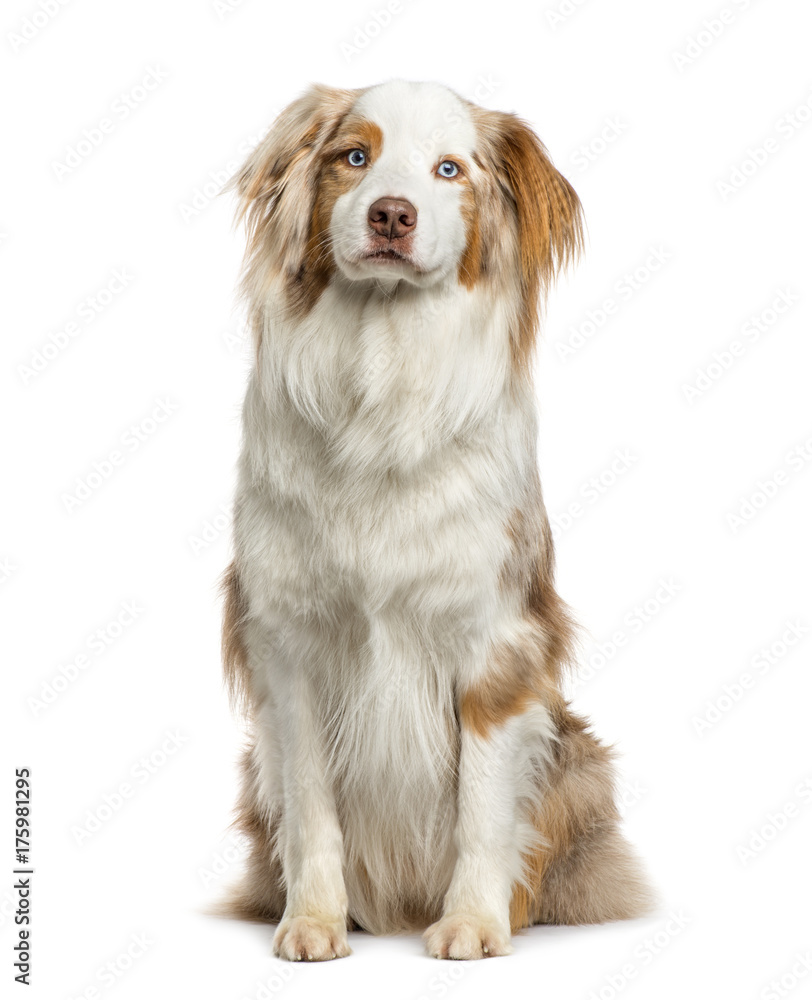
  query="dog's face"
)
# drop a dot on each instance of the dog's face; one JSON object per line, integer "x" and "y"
{"x": 396, "y": 191}
{"x": 403, "y": 182}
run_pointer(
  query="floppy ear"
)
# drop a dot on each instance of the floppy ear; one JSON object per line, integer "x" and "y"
{"x": 277, "y": 184}
{"x": 548, "y": 209}
{"x": 542, "y": 203}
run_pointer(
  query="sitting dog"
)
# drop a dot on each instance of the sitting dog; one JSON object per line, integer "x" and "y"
{"x": 391, "y": 625}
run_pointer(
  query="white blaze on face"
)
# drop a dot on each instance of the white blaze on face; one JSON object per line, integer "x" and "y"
{"x": 422, "y": 124}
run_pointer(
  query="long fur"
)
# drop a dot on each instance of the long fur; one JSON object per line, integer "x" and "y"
{"x": 391, "y": 628}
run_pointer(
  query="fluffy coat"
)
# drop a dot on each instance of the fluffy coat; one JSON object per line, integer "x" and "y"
{"x": 391, "y": 625}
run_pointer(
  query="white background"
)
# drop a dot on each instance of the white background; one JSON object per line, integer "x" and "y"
{"x": 677, "y": 137}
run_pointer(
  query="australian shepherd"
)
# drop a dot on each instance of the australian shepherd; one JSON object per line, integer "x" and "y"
{"x": 392, "y": 630}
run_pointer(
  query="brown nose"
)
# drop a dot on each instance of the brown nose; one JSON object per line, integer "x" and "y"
{"x": 392, "y": 217}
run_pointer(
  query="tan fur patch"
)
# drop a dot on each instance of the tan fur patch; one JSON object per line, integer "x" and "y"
{"x": 585, "y": 872}
{"x": 471, "y": 263}
{"x": 277, "y": 186}
{"x": 235, "y": 658}
{"x": 531, "y": 669}
{"x": 532, "y": 571}
{"x": 335, "y": 177}
{"x": 543, "y": 206}
{"x": 515, "y": 677}
{"x": 357, "y": 132}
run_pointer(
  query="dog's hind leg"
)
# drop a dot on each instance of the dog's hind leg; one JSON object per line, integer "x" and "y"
{"x": 583, "y": 871}
{"x": 260, "y": 894}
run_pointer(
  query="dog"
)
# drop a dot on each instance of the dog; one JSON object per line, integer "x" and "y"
{"x": 391, "y": 627}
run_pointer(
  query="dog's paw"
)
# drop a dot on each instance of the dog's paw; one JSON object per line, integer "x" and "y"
{"x": 460, "y": 935}
{"x": 310, "y": 939}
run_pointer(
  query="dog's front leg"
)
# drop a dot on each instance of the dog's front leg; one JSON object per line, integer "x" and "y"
{"x": 476, "y": 910}
{"x": 314, "y": 924}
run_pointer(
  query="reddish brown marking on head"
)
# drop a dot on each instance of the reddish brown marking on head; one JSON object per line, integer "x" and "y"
{"x": 278, "y": 186}
{"x": 356, "y": 132}
{"x": 471, "y": 263}
{"x": 335, "y": 177}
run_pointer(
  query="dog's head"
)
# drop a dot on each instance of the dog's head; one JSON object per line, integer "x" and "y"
{"x": 403, "y": 182}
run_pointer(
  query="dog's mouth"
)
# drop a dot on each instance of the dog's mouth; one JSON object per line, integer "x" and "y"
{"x": 388, "y": 261}
{"x": 386, "y": 255}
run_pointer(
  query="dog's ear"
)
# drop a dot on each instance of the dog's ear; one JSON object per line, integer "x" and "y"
{"x": 541, "y": 202}
{"x": 547, "y": 208}
{"x": 277, "y": 183}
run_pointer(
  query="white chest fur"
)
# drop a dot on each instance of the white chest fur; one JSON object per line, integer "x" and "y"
{"x": 384, "y": 451}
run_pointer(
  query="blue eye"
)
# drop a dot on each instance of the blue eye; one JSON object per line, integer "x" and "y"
{"x": 356, "y": 157}
{"x": 448, "y": 168}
